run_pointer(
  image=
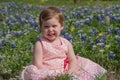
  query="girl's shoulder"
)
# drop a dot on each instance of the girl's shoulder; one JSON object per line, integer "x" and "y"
{"x": 64, "y": 40}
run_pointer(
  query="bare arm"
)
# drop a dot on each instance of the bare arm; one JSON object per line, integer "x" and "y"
{"x": 72, "y": 60}
{"x": 38, "y": 55}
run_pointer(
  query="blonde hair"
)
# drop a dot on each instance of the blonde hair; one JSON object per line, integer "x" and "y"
{"x": 49, "y": 13}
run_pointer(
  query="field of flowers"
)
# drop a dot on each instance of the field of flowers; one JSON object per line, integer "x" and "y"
{"x": 94, "y": 32}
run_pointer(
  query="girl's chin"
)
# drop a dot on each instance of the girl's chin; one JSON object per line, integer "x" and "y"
{"x": 51, "y": 39}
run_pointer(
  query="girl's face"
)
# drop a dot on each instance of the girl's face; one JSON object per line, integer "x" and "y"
{"x": 51, "y": 29}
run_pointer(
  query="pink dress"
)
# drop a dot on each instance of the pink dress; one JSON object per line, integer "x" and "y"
{"x": 55, "y": 59}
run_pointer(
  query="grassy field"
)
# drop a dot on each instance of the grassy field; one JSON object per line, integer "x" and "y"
{"x": 92, "y": 35}
{"x": 65, "y": 2}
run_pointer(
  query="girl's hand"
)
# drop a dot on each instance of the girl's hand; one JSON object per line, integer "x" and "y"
{"x": 71, "y": 69}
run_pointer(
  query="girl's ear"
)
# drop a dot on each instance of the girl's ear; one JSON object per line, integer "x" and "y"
{"x": 62, "y": 27}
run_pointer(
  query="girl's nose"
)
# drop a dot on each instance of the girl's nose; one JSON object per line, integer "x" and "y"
{"x": 50, "y": 28}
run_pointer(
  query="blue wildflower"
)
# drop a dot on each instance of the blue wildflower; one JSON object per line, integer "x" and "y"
{"x": 33, "y": 23}
{"x": 110, "y": 30}
{"x": 97, "y": 41}
{"x": 63, "y": 32}
{"x": 27, "y": 16}
{"x": 86, "y": 11}
{"x": 1, "y": 58}
{"x": 13, "y": 46}
{"x": 18, "y": 17}
{"x": 100, "y": 17}
{"x": 78, "y": 24}
{"x": 17, "y": 34}
{"x": 4, "y": 42}
{"x": 87, "y": 21}
{"x": 79, "y": 15}
{"x": 66, "y": 16}
{"x": 83, "y": 37}
{"x": 103, "y": 37}
{"x": 118, "y": 40}
{"x": 111, "y": 55}
{"x": 1, "y": 34}
{"x": 1, "y": 47}
{"x": 73, "y": 14}
{"x": 68, "y": 37}
{"x": 118, "y": 32}
{"x": 23, "y": 22}
{"x": 93, "y": 31}
{"x": 117, "y": 7}
{"x": 37, "y": 38}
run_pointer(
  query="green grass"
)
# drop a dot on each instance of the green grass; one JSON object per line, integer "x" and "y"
{"x": 65, "y": 2}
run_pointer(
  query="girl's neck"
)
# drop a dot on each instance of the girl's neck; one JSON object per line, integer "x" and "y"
{"x": 57, "y": 41}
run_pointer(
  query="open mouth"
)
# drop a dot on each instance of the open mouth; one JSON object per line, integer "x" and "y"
{"x": 51, "y": 35}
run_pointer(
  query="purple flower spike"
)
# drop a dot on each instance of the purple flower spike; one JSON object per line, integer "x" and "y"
{"x": 1, "y": 58}
{"x": 111, "y": 55}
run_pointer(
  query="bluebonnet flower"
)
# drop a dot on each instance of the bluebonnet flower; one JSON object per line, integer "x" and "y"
{"x": 62, "y": 9}
{"x": 103, "y": 37}
{"x": 28, "y": 7}
{"x": 66, "y": 16}
{"x": 23, "y": 21}
{"x": 1, "y": 58}
{"x": 67, "y": 36}
{"x": 118, "y": 31}
{"x": 33, "y": 23}
{"x": 63, "y": 32}
{"x": 93, "y": 31}
{"x": 87, "y": 21}
{"x": 73, "y": 14}
{"x": 10, "y": 24}
{"x": 37, "y": 38}
{"x": 26, "y": 16}
{"x": 18, "y": 34}
{"x": 110, "y": 30}
{"x": 97, "y": 41}
{"x": 83, "y": 37}
{"x": 111, "y": 55}
{"x": 13, "y": 46}
{"x": 4, "y": 42}
{"x": 78, "y": 24}
{"x": 1, "y": 34}
{"x": 1, "y": 47}
{"x": 86, "y": 11}
{"x": 118, "y": 40}
{"x": 18, "y": 17}
{"x": 100, "y": 17}
{"x": 117, "y": 7}
{"x": 79, "y": 15}
{"x": 12, "y": 19}
{"x": 113, "y": 17}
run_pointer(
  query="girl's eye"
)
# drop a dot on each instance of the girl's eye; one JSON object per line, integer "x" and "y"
{"x": 54, "y": 25}
{"x": 46, "y": 26}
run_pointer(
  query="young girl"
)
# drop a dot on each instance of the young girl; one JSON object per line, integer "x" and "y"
{"x": 54, "y": 55}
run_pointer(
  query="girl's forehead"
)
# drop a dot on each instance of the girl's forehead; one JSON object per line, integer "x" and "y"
{"x": 53, "y": 20}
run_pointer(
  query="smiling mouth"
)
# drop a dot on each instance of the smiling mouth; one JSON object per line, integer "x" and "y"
{"x": 51, "y": 35}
